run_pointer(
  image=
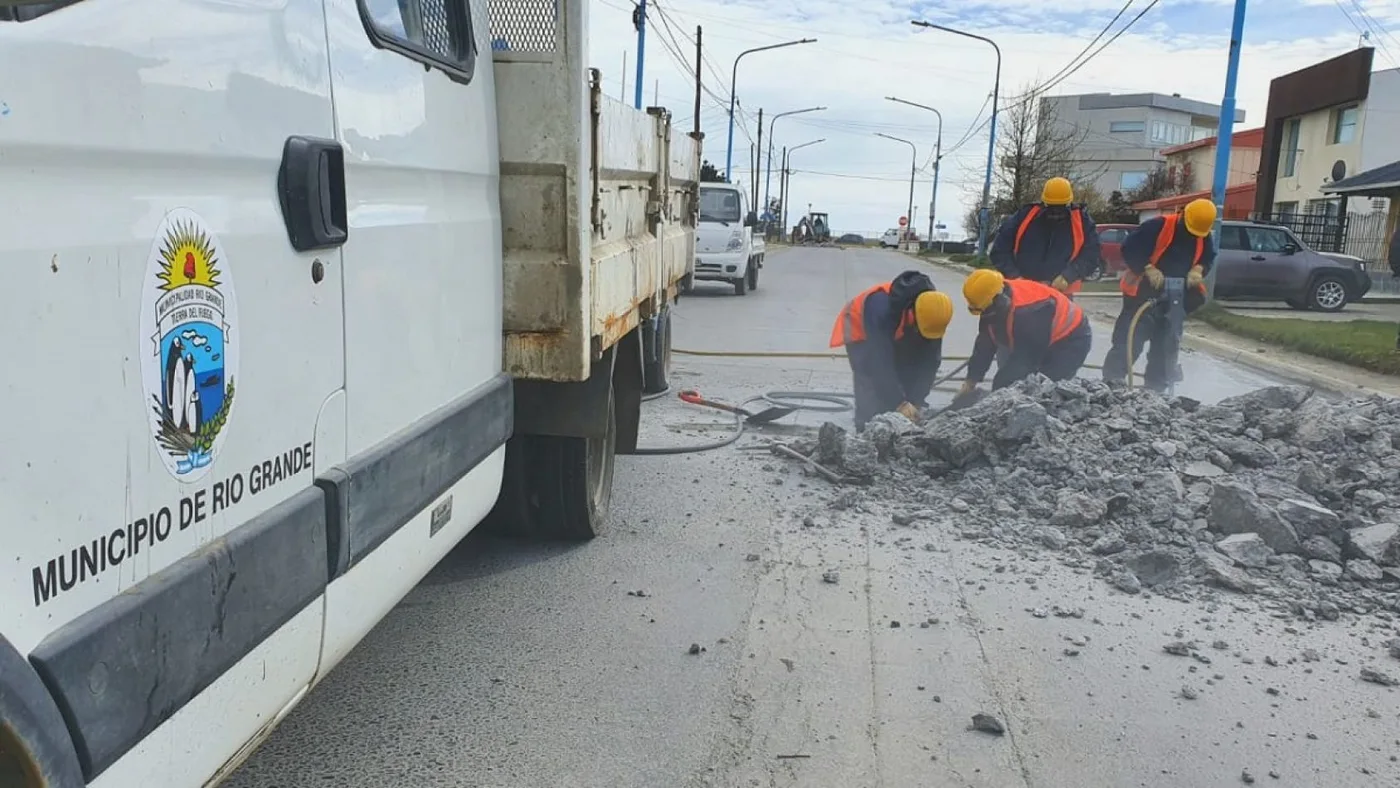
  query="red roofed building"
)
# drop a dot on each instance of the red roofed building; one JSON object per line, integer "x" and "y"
{"x": 1191, "y": 169}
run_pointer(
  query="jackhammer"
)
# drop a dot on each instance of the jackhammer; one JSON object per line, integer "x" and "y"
{"x": 1169, "y": 324}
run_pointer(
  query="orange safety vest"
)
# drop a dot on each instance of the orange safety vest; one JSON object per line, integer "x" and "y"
{"x": 850, "y": 323}
{"x": 1025, "y": 292}
{"x": 1076, "y": 226}
{"x": 1129, "y": 282}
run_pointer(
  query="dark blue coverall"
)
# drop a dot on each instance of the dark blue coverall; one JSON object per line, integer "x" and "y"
{"x": 888, "y": 371}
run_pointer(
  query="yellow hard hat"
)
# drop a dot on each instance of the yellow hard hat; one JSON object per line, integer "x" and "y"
{"x": 1057, "y": 191}
{"x": 933, "y": 311}
{"x": 981, "y": 288}
{"x": 1199, "y": 215}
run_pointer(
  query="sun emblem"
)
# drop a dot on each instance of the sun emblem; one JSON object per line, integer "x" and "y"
{"x": 187, "y": 257}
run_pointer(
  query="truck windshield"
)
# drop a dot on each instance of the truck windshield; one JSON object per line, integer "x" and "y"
{"x": 719, "y": 205}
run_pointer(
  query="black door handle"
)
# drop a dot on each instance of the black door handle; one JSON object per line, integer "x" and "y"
{"x": 311, "y": 189}
{"x": 1259, "y": 258}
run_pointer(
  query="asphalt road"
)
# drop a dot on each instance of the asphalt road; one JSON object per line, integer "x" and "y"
{"x": 517, "y": 667}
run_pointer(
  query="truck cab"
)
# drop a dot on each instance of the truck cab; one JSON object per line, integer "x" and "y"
{"x": 727, "y": 248}
{"x": 297, "y": 295}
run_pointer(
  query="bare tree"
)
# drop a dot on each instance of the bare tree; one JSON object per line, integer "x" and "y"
{"x": 1032, "y": 147}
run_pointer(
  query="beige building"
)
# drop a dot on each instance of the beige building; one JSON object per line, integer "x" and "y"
{"x": 1191, "y": 167}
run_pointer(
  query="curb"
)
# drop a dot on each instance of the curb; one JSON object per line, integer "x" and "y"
{"x": 1223, "y": 351}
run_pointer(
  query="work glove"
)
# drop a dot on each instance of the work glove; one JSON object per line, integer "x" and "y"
{"x": 908, "y": 411}
{"x": 1060, "y": 283}
{"x": 967, "y": 387}
{"x": 1154, "y": 277}
{"x": 1195, "y": 276}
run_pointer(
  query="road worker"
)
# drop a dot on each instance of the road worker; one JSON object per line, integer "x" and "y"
{"x": 1177, "y": 246}
{"x": 1053, "y": 241}
{"x": 1033, "y": 326}
{"x": 893, "y": 335}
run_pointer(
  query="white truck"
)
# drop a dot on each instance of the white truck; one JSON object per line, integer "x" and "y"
{"x": 727, "y": 249}
{"x": 297, "y": 294}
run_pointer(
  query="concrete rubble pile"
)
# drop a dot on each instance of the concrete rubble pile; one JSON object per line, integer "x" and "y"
{"x": 1276, "y": 493}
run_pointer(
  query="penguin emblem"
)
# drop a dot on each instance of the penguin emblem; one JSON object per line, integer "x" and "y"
{"x": 189, "y": 368}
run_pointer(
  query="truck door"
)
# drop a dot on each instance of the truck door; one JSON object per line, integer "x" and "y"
{"x": 428, "y": 407}
{"x": 167, "y": 353}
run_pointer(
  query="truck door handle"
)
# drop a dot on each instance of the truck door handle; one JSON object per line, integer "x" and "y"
{"x": 311, "y": 189}
{"x": 1258, "y": 258}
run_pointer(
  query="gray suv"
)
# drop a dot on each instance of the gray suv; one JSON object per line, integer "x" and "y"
{"x": 1267, "y": 262}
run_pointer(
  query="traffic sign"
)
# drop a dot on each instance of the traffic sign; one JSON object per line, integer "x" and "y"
{"x": 904, "y": 221}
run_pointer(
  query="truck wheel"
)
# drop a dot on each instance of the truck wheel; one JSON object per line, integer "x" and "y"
{"x": 656, "y": 359}
{"x": 1328, "y": 294}
{"x": 557, "y": 489}
{"x": 753, "y": 275}
{"x": 741, "y": 285}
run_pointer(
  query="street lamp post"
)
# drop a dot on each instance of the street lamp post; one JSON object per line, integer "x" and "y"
{"x": 1225, "y": 134}
{"x": 786, "y": 176}
{"x": 913, "y": 167}
{"x": 984, "y": 216}
{"x": 937, "y": 160}
{"x": 768, "y": 179}
{"x": 733, "y": 77}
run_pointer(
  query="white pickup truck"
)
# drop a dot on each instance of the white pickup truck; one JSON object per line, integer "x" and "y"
{"x": 297, "y": 293}
{"x": 727, "y": 249}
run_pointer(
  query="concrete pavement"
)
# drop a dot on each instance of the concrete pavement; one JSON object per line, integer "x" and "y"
{"x": 530, "y": 667}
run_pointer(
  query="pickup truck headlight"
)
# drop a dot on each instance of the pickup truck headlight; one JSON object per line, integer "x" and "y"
{"x": 736, "y": 241}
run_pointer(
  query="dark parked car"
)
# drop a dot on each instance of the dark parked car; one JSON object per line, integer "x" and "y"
{"x": 1267, "y": 262}
{"x": 852, "y": 239}
{"x": 1111, "y": 248}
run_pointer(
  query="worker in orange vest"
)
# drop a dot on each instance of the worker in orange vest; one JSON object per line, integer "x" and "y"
{"x": 1036, "y": 327}
{"x": 1053, "y": 242}
{"x": 893, "y": 335}
{"x": 1177, "y": 246}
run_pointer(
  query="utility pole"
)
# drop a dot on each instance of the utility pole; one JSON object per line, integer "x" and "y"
{"x": 623, "y": 95}
{"x": 699, "y": 62}
{"x": 782, "y": 192}
{"x": 937, "y": 161}
{"x": 758, "y": 154}
{"x": 1226, "y": 133}
{"x": 639, "y": 19}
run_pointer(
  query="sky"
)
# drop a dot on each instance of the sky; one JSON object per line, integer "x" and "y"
{"x": 862, "y": 56}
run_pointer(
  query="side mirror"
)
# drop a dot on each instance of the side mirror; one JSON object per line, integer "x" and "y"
{"x": 751, "y": 219}
{"x": 1290, "y": 248}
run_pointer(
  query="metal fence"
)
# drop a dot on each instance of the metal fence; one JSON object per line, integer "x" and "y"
{"x": 1322, "y": 232}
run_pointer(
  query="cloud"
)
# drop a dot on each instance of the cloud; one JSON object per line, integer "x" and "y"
{"x": 200, "y": 341}
{"x": 868, "y": 51}
{"x": 189, "y": 333}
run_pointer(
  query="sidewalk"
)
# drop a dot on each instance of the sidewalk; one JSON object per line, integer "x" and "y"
{"x": 1329, "y": 376}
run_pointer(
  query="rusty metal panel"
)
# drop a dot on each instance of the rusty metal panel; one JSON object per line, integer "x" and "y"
{"x": 597, "y": 201}
{"x": 1344, "y": 79}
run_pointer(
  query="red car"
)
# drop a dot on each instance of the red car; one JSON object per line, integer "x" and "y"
{"x": 1111, "y": 245}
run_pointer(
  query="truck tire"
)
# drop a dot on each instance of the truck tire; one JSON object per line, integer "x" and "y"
{"x": 656, "y": 358}
{"x": 753, "y": 274}
{"x": 741, "y": 285}
{"x": 557, "y": 489}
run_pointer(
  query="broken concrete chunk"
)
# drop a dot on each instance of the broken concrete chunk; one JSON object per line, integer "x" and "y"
{"x": 1309, "y": 519}
{"x": 1221, "y": 571}
{"x": 1154, "y": 567}
{"x": 1364, "y": 570}
{"x": 1236, "y": 509}
{"x": 1025, "y": 420}
{"x": 1325, "y": 568}
{"x": 1376, "y": 543}
{"x": 1246, "y": 550}
{"x": 1322, "y": 548}
{"x": 986, "y": 723}
{"x": 1202, "y": 469}
{"x": 1373, "y": 676}
{"x": 1078, "y": 510}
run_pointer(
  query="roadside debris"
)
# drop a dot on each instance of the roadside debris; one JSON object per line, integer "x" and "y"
{"x": 986, "y": 723}
{"x": 1276, "y": 493}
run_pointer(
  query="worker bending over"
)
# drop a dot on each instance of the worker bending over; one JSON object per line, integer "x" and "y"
{"x": 1053, "y": 241}
{"x": 1037, "y": 328}
{"x": 1177, "y": 246}
{"x": 893, "y": 335}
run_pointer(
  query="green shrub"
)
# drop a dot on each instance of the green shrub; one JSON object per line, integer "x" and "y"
{"x": 961, "y": 258}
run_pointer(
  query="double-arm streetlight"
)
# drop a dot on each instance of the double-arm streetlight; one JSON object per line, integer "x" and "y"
{"x": 984, "y": 215}
{"x": 913, "y": 167}
{"x": 786, "y": 177}
{"x": 733, "y": 78}
{"x": 937, "y": 160}
{"x": 768, "y": 179}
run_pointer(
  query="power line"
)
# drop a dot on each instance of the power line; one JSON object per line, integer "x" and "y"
{"x": 1087, "y": 46}
{"x": 1102, "y": 47}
